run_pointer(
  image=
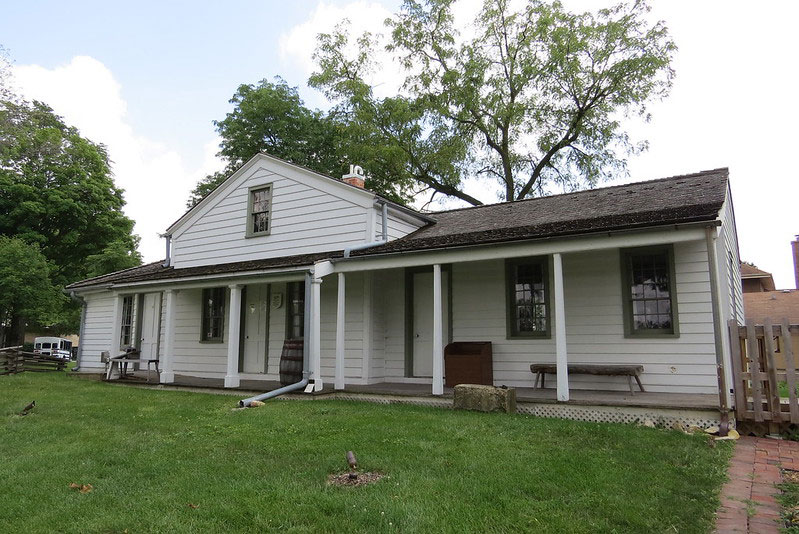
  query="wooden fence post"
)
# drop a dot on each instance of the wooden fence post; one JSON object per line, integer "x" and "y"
{"x": 738, "y": 382}
{"x": 753, "y": 359}
{"x": 771, "y": 367}
{"x": 790, "y": 370}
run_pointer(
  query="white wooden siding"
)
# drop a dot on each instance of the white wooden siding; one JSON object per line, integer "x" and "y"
{"x": 97, "y": 331}
{"x": 307, "y": 216}
{"x": 190, "y": 356}
{"x": 398, "y": 224}
{"x": 595, "y": 323}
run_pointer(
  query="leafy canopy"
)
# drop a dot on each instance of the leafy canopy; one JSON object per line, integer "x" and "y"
{"x": 25, "y": 286}
{"x": 57, "y": 194}
{"x": 536, "y": 97}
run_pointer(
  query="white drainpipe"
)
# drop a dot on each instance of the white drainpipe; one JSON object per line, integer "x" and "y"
{"x": 383, "y": 241}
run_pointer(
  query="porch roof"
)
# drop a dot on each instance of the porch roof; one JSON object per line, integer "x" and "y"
{"x": 683, "y": 199}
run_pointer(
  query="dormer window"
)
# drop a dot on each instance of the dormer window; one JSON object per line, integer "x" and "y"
{"x": 259, "y": 211}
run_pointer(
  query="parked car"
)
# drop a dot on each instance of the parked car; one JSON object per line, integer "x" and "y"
{"x": 53, "y": 346}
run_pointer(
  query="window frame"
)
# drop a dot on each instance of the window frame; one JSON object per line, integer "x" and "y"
{"x": 126, "y": 322}
{"x": 627, "y": 295}
{"x": 203, "y": 318}
{"x": 510, "y": 290}
{"x": 249, "y": 232}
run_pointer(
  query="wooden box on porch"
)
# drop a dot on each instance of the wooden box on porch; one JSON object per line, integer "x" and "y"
{"x": 468, "y": 362}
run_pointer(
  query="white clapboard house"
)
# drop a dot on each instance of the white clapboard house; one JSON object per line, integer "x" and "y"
{"x": 640, "y": 274}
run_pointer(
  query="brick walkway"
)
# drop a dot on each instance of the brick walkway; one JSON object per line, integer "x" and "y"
{"x": 748, "y": 499}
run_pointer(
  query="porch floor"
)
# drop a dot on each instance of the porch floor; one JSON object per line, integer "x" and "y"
{"x": 702, "y": 401}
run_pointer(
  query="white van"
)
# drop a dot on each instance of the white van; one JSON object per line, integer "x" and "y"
{"x": 53, "y": 346}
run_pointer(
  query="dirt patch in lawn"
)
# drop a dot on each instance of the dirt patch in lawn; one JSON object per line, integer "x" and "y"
{"x": 362, "y": 479}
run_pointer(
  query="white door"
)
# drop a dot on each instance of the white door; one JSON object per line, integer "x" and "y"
{"x": 423, "y": 320}
{"x": 150, "y": 324}
{"x": 256, "y": 319}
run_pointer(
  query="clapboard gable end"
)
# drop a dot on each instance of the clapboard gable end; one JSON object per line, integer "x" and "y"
{"x": 309, "y": 213}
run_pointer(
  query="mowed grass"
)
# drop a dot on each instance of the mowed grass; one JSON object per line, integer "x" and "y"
{"x": 151, "y": 454}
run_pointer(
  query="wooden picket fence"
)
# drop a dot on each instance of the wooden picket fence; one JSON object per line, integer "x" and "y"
{"x": 764, "y": 371}
{"x": 14, "y": 361}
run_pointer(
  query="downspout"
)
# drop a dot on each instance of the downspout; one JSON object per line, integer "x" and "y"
{"x": 305, "y": 356}
{"x": 373, "y": 243}
{"x": 168, "y": 260}
{"x": 82, "y": 327}
{"x": 724, "y": 419}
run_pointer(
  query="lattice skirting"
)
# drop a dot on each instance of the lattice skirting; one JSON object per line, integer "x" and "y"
{"x": 650, "y": 416}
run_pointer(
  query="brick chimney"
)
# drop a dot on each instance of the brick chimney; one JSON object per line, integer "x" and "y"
{"x": 355, "y": 177}
{"x": 795, "y": 246}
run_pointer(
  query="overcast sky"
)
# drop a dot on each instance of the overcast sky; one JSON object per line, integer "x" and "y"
{"x": 148, "y": 78}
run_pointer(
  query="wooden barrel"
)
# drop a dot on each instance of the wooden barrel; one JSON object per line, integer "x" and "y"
{"x": 291, "y": 362}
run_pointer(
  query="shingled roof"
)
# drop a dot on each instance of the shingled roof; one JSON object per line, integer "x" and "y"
{"x": 683, "y": 199}
{"x": 676, "y": 200}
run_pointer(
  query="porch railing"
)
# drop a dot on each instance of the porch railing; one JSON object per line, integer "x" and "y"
{"x": 764, "y": 370}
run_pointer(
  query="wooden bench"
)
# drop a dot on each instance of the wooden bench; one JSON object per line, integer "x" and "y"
{"x": 630, "y": 371}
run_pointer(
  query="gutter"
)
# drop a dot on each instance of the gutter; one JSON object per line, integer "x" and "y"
{"x": 306, "y": 372}
{"x": 718, "y": 328}
{"x": 82, "y": 327}
{"x": 383, "y": 241}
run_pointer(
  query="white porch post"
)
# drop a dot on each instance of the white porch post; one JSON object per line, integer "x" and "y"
{"x": 438, "y": 334}
{"x": 341, "y": 321}
{"x": 316, "y": 328}
{"x": 116, "y": 331}
{"x": 167, "y": 352}
{"x": 561, "y": 358}
{"x": 234, "y": 328}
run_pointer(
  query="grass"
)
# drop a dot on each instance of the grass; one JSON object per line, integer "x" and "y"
{"x": 150, "y": 454}
{"x": 789, "y": 501}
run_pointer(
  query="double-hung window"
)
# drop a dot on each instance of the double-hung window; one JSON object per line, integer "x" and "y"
{"x": 527, "y": 287}
{"x": 259, "y": 211}
{"x": 295, "y": 313}
{"x": 649, "y": 292}
{"x": 213, "y": 321}
{"x": 126, "y": 330}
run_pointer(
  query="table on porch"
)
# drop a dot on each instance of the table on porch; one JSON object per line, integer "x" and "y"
{"x": 131, "y": 357}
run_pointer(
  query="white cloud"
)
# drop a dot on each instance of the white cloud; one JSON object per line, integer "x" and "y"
{"x": 155, "y": 178}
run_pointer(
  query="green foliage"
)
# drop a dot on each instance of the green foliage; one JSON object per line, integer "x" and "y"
{"x": 150, "y": 454}
{"x": 271, "y": 117}
{"x": 57, "y": 192}
{"x": 25, "y": 287}
{"x": 535, "y": 98}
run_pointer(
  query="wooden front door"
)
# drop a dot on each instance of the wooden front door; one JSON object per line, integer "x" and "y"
{"x": 422, "y": 343}
{"x": 256, "y": 329}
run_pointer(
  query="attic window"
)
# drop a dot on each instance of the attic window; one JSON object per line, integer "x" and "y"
{"x": 259, "y": 211}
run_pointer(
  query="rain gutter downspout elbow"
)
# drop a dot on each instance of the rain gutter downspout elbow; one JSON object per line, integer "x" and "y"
{"x": 384, "y": 239}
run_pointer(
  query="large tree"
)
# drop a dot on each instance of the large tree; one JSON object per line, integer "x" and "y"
{"x": 271, "y": 117}
{"x": 26, "y": 292}
{"x": 57, "y": 193}
{"x": 536, "y": 97}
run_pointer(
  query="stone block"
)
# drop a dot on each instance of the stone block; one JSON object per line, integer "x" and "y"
{"x": 485, "y": 398}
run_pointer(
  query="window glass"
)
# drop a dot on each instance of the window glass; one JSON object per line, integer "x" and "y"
{"x": 528, "y": 294}
{"x": 260, "y": 202}
{"x": 37, "y": 346}
{"x": 213, "y": 314}
{"x": 650, "y": 291}
{"x": 126, "y": 332}
{"x": 45, "y": 345}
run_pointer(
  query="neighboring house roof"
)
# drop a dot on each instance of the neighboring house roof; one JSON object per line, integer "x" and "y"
{"x": 750, "y": 272}
{"x": 679, "y": 199}
{"x": 683, "y": 199}
{"x": 774, "y": 305}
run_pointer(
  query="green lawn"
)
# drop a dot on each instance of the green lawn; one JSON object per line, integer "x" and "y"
{"x": 149, "y": 454}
